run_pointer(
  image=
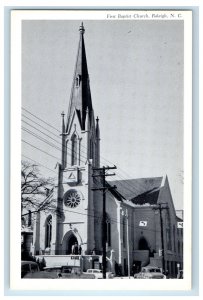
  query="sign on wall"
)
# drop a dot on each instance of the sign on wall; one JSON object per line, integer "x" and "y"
{"x": 180, "y": 224}
{"x": 143, "y": 223}
{"x": 72, "y": 176}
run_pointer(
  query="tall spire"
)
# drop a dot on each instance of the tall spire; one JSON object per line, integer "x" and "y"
{"x": 82, "y": 29}
{"x": 80, "y": 98}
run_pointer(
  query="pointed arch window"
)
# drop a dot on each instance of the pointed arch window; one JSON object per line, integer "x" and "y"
{"x": 74, "y": 150}
{"x": 48, "y": 232}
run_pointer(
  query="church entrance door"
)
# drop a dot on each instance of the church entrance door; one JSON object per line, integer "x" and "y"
{"x": 143, "y": 244}
{"x": 70, "y": 244}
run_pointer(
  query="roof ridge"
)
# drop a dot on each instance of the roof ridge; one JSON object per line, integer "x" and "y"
{"x": 139, "y": 178}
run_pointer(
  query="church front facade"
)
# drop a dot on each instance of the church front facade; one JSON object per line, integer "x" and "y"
{"x": 141, "y": 222}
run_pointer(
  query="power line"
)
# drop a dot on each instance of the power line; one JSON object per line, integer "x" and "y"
{"x": 24, "y": 116}
{"x": 47, "y": 142}
{"x": 39, "y": 163}
{"x": 42, "y": 139}
{"x": 59, "y": 149}
{"x": 56, "y": 140}
{"x": 42, "y": 131}
{"x": 58, "y": 131}
{"x": 38, "y": 149}
{"x": 112, "y": 220}
{"x": 49, "y": 168}
{"x": 55, "y": 129}
{"x": 51, "y": 144}
{"x": 40, "y": 119}
{"x": 132, "y": 190}
{"x": 97, "y": 183}
{"x": 31, "y": 132}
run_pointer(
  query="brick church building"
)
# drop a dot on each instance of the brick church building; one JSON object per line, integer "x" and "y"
{"x": 141, "y": 226}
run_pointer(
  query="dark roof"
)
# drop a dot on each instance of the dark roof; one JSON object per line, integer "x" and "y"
{"x": 150, "y": 197}
{"x": 179, "y": 219}
{"x": 139, "y": 191}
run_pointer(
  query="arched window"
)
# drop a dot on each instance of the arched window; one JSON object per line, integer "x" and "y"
{"x": 48, "y": 232}
{"x": 74, "y": 150}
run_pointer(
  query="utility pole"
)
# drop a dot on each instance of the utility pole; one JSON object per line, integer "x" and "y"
{"x": 160, "y": 208}
{"x": 128, "y": 242}
{"x": 104, "y": 188}
{"x": 128, "y": 246}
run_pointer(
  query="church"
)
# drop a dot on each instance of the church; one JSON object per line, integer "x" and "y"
{"x": 141, "y": 222}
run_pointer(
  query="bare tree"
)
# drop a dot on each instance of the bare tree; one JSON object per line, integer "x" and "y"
{"x": 35, "y": 190}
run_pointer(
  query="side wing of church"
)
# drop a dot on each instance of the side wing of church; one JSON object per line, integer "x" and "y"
{"x": 141, "y": 220}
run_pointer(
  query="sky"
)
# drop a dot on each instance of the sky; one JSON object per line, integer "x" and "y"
{"x": 136, "y": 80}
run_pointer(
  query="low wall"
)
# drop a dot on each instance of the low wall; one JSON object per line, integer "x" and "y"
{"x": 83, "y": 261}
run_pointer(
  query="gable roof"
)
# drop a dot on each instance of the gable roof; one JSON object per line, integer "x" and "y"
{"x": 138, "y": 191}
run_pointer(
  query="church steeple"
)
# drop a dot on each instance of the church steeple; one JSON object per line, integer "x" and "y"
{"x": 80, "y": 98}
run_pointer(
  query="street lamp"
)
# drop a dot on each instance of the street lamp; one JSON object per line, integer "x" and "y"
{"x": 125, "y": 213}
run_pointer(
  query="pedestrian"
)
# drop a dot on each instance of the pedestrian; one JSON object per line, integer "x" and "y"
{"x": 134, "y": 268}
{"x": 75, "y": 249}
{"x": 166, "y": 274}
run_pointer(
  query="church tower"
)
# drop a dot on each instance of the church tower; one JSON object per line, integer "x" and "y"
{"x": 80, "y": 153}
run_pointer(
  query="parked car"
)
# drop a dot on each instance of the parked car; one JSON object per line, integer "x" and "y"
{"x": 150, "y": 272}
{"x": 28, "y": 267}
{"x": 71, "y": 270}
{"x": 98, "y": 273}
{"x": 57, "y": 272}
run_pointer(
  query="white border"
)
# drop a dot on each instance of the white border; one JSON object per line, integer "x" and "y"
{"x": 46, "y": 284}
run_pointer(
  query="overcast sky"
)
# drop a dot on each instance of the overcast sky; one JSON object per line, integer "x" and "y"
{"x": 136, "y": 80}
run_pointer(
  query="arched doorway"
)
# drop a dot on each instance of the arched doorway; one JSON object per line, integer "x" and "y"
{"x": 144, "y": 254}
{"x": 143, "y": 244}
{"x": 69, "y": 241}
